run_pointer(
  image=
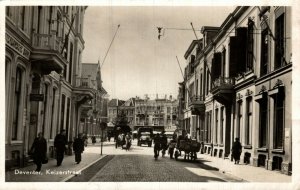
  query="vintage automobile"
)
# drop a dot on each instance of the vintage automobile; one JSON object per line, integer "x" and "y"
{"x": 145, "y": 135}
{"x": 145, "y": 138}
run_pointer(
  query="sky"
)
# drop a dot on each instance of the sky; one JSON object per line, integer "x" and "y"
{"x": 137, "y": 62}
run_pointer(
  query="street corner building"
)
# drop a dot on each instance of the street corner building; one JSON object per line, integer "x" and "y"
{"x": 46, "y": 86}
{"x": 238, "y": 84}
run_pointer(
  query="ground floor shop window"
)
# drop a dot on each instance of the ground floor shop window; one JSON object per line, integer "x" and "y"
{"x": 240, "y": 119}
{"x": 63, "y": 99}
{"x": 278, "y": 120}
{"x": 216, "y": 125}
{"x": 263, "y": 108}
{"x": 248, "y": 126}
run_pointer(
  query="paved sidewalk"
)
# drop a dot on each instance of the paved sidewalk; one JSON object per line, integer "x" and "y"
{"x": 51, "y": 173}
{"x": 244, "y": 172}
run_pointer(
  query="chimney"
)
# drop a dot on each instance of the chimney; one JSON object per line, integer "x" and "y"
{"x": 170, "y": 97}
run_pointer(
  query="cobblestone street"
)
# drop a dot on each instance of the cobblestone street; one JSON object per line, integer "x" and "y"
{"x": 138, "y": 165}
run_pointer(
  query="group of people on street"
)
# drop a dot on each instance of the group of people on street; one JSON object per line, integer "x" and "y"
{"x": 124, "y": 140}
{"x": 161, "y": 144}
{"x": 39, "y": 149}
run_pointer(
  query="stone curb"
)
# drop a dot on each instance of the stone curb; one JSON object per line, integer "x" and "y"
{"x": 73, "y": 175}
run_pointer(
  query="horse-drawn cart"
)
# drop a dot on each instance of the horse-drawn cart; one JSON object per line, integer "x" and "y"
{"x": 189, "y": 147}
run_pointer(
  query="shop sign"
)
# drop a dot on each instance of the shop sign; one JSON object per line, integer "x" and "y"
{"x": 36, "y": 97}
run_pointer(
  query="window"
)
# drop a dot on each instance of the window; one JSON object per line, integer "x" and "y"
{"x": 52, "y": 114}
{"x": 58, "y": 18}
{"x": 209, "y": 135}
{"x": 17, "y": 98}
{"x": 68, "y": 117}
{"x": 239, "y": 119}
{"x": 264, "y": 53}
{"x": 22, "y": 17}
{"x": 216, "y": 126}
{"x": 279, "y": 43}
{"x": 248, "y": 127}
{"x": 222, "y": 125}
{"x": 70, "y": 62}
{"x": 7, "y": 81}
{"x": 263, "y": 108}
{"x": 223, "y": 66}
{"x": 50, "y": 19}
{"x": 279, "y": 120}
{"x": 79, "y": 61}
{"x": 191, "y": 90}
{"x": 192, "y": 63}
{"x": 45, "y": 108}
{"x": 8, "y": 11}
{"x": 201, "y": 90}
{"x": 207, "y": 82}
{"x": 250, "y": 45}
{"x": 39, "y": 18}
{"x": 206, "y": 127}
{"x": 197, "y": 83}
{"x": 63, "y": 99}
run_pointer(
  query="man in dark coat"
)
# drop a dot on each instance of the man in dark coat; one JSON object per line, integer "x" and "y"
{"x": 157, "y": 145}
{"x": 164, "y": 143}
{"x": 236, "y": 151}
{"x": 39, "y": 150}
{"x": 60, "y": 143}
{"x": 78, "y": 147}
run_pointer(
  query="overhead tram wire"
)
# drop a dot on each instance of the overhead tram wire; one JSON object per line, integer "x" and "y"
{"x": 110, "y": 46}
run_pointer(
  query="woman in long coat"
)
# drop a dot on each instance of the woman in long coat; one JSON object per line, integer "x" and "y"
{"x": 236, "y": 151}
{"x": 78, "y": 147}
{"x": 39, "y": 150}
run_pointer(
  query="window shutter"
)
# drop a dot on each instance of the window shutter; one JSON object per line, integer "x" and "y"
{"x": 212, "y": 72}
{"x": 216, "y": 66}
{"x": 218, "y": 57}
{"x": 233, "y": 57}
{"x": 242, "y": 47}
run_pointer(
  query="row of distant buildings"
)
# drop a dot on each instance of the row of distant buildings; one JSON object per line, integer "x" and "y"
{"x": 160, "y": 113}
{"x": 47, "y": 88}
{"x": 238, "y": 84}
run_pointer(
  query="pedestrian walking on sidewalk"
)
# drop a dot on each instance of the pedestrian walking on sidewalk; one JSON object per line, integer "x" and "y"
{"x": 236, "y": 151}
{"x": 172, "y": 145}
{"x": 164, "y": 144}
{"x": 157, "y": 146}
{"x": 60, "y": 143}
{"x": 39, "y": 151}
{"x": 93, "y": 139}
{"x": 78, "y": 147}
